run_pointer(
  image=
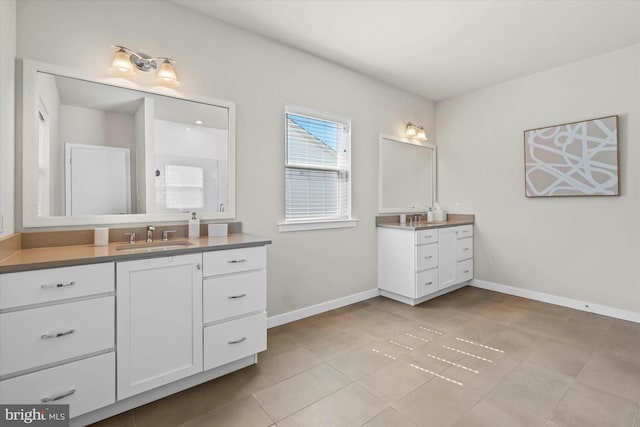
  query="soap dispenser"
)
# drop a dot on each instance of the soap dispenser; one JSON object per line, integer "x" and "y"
{"x": 194, "y": 226}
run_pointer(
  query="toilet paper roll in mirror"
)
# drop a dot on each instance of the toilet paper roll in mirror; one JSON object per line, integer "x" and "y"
{"x": 101, "y": 237}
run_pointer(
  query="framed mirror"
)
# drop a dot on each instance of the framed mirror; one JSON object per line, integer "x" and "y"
{"x": 406, "y": 175}
{"x": 96, "y": 152}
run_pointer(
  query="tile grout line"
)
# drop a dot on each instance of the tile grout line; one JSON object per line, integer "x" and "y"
{"x": 273, "y": 422}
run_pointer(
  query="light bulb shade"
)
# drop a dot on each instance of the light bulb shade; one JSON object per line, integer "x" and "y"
{"x": 410, "y": 130}
{"x": 420, "y": 133}
{"x": 121, "y": 65}
{"x": 167, "y": 75}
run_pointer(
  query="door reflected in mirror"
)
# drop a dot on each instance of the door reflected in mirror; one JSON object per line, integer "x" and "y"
{"x": 104, "y": 150}
{"x": 94, "y": 151}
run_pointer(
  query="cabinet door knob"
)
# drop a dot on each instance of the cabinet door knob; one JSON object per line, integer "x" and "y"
{"x": 58, "y": 285}
{"x": 57, "y": 335}
{"x": 58, "y": 396}
{"x": 238, "y": 341}
{"x": 198, "y": 266}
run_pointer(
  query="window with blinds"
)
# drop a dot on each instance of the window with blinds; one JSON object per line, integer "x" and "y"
{"x": 317, "y": 166}
{"x": 184, "y": 187}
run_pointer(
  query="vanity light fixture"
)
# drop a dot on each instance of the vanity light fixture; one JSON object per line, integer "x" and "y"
{"x": 413, "y": 131}
{"x": 410, "y": 130}
{"x": 126, "y": 61}
{"x": 420, "y": 134}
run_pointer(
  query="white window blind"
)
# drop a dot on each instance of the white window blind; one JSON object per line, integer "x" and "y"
{"x": 184, "y": 187}
{"x": 43, "y": 163}
{"x": 317, "y": 167}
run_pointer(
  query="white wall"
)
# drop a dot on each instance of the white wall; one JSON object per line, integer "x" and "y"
{"x": 7, "y": 109}
{"x": 222, "y": 61}
{"x": 79, "y": 125}
{"x": 50, "y": 99}
{"x": 586, "y": 248}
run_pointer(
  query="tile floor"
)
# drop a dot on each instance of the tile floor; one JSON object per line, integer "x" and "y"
{"x": 469, "y": 358}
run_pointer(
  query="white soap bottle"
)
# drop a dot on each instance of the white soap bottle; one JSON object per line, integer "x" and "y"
{"x": 194, "y": 227}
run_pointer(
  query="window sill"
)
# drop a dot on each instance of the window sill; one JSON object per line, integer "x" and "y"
{"x": 284, "y": 227}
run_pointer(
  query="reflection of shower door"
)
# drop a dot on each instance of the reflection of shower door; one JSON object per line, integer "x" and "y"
{"x": 97, "y": 180}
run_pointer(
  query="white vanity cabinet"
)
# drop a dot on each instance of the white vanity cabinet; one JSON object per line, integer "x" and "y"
{"x": 159, "y": 321}
{"x": 235, "y": 302}
{"x": 57, "y": 337}
{"x": 455, "y": 250}
{"x": 417, "y": 265}
{"x": 108, "y": 337}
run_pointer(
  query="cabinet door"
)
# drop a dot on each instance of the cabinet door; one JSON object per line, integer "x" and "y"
{"x": 159, "y": 328}
{"x": 446, "y": 257}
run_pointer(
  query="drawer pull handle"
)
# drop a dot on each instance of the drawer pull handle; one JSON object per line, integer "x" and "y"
{"x": 238, "y": 341}
{"x": 465, "y": 249}
{"x": 58, "y": 397}
{"x": 58, "y": 335}
{"x": 58, "y": 285}
{"x": 428, "y": 257}
{"x": 428, "y": 237}
{"x": 237, "y": 261}
{"x": 237, "y": 296}
{"x": 465, "y": 272}
{"x": 428, "y": 283}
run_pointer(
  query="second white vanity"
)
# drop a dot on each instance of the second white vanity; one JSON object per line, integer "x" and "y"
{"x": 417, "y": 263}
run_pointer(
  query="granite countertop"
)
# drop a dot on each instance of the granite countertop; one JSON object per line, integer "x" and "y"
{"x": 62, "y": 256}
{"x": 427, "y": 225}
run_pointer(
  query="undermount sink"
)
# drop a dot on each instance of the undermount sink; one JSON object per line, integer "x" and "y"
{"x": 153, "y": 246}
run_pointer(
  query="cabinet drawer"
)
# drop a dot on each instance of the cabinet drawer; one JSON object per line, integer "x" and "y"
{"x": 91, "y": 380}
{"x": 464, "y": 231}
{"x": 234, "y": 260}
{"x": 427, "y": 257}
{"x": 426, "y": 282}
{"x": 38, "y": 336}
{"x": 424, "y": 237}
{"x": 464, "y": 271}
{"x": 233, "y": 340}
{"x": 54, "y": 284}
{"x": 234, "y": 295}
{"x": 464, "y": 249}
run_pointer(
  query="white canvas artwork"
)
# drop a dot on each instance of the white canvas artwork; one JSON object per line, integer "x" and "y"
{"x": 574, "y": 159}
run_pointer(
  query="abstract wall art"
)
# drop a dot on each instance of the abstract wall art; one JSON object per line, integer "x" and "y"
{"x": 573, "y": 159}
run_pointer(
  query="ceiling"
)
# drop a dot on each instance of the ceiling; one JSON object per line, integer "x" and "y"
{"x": 439, "y": 49}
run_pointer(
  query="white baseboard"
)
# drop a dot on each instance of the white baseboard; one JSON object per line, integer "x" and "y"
{"x": 618, "y": 313}
{"x": 292, "y": 316}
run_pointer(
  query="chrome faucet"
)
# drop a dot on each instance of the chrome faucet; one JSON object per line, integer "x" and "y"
{"x": 132, "y": 237}
{"x": 150, "y": 230}
{"x": 165, "y": 234}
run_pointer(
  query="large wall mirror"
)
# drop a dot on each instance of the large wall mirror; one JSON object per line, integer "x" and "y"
{"x": 406, "y": 175}
{"x": 99, "y": 153}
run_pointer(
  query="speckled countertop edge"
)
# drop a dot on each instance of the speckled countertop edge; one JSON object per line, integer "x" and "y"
{"x": 51, "y": 257}
{"x": 425, "y": 226}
